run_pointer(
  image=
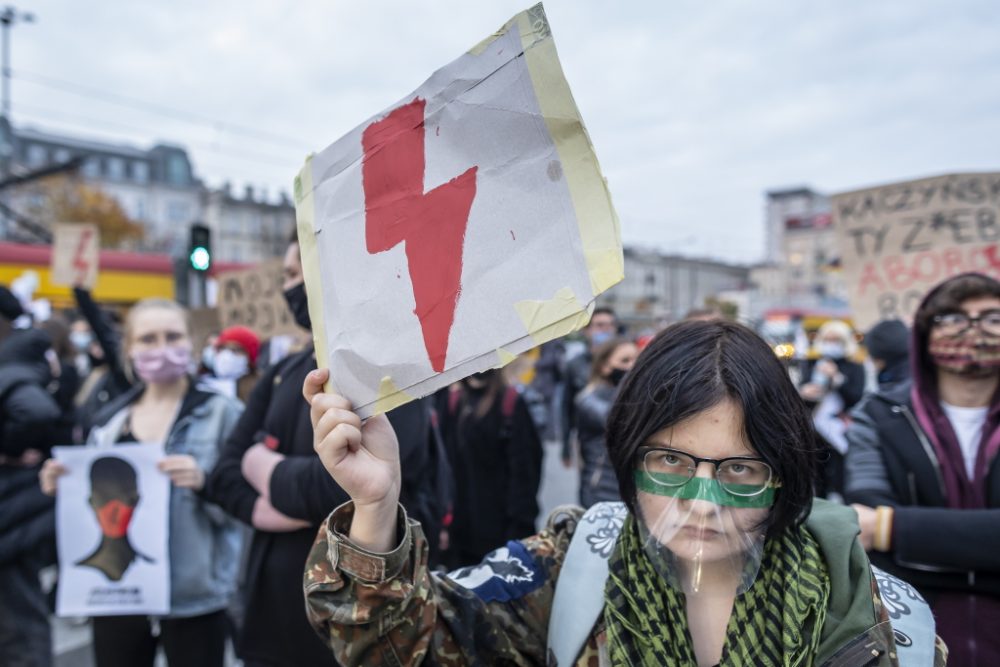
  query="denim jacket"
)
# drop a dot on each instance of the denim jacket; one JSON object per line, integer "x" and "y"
{"x": 204, "y": 542}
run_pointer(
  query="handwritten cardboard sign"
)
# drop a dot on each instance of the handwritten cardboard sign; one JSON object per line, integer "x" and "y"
{"x": 897, "y": 241}
{"x": 75, "y": 254}
{"x": 253, "y": 298}
{"x": 458, "y": 228}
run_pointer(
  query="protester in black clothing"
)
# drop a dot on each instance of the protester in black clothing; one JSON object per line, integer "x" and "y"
{"x": 269, "y": 477}
{"x": 603, "y": 326}
{"x": 28, "y": 414}
{"x": 108, "y": 376}
{"x": 496, "y": 457}
{"x": 598, "y": 482}
{"x": 834, "y": 370}
{"x": 835, "y": 382}
{"x": 888, "y": 345}
{"x": 66, "y": 378}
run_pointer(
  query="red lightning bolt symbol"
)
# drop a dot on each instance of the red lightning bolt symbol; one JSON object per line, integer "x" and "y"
{"x": 79, "y": 263}
{"x": 431, "y": 225}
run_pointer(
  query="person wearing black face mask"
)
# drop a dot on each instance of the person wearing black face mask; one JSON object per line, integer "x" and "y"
{"x": 269, "y": 477}
{"x": 295, "y": 297}
{"x": 612, "y": 360}
{"x": 496, "y": 456}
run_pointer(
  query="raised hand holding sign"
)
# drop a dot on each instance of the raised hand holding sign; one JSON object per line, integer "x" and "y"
{"x": 457, "y": 229}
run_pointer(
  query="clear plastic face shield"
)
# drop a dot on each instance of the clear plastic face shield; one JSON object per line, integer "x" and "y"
{"x": 703, "y": 521}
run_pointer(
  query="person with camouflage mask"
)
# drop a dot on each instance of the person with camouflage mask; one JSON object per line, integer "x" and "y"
{"x": 718, "y": 555}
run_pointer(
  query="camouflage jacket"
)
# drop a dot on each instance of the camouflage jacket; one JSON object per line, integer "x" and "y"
{"x": 390, "y": 609}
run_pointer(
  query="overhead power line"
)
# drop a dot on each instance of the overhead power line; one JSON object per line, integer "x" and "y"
{"x": 58, "y": 116}
{"x": 142, "y": 105}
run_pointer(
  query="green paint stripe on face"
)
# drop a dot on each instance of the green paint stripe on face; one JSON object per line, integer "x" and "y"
{"x": 701, "y": 488}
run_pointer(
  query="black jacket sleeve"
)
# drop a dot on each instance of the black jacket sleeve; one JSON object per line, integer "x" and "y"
{"x": 226, "y": 485}
{"x": 104, "y": 333}
{"x": 302, "y": 488}
{"x": 853, "y": 387}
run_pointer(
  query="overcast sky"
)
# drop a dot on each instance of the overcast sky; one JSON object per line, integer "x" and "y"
{"x": 695, "y": 108}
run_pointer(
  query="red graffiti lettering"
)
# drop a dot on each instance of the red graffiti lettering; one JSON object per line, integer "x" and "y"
{"x": 870, "y": 278}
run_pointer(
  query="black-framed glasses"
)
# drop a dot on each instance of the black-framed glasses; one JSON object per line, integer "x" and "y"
{"x": 952, "y": 324}
{"x": 738, "y": 475}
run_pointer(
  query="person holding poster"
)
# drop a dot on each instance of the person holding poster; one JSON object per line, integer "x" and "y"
{"x": 203, "y": 543}
{"x": 719, "y": 554}
{"x": 923, "y": 467}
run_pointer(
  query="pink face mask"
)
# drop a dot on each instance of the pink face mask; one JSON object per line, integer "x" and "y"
{"x": 162, "y": 364}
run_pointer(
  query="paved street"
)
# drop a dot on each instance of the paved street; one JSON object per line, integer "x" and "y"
{"x": 560, "y": 485}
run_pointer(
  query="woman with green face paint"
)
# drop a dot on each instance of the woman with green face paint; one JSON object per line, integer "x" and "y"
{"x": 718, "y": 554}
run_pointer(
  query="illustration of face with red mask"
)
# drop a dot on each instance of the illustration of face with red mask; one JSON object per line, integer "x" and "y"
{"x": 114, "y": 494}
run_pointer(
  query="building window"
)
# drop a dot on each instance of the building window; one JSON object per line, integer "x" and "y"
{"x": 91, "y": 168}
{"x": 177, "y": 211}
{"x": 140, "y": 172}
{"x": 177, "y": 170}
{"x": 37, "y": 155}
{"x": 62, "y": 155}
{"x": 116, "y": 169}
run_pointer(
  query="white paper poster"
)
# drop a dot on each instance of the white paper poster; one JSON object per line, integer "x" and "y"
{"x": 458, "y": 228}
{"x": 111, "y": 531}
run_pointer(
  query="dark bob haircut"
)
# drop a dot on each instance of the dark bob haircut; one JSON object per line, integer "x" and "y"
{"x": 691, "y": 367}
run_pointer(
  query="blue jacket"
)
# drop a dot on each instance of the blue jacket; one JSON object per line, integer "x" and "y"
{"x": 204, "y": 542}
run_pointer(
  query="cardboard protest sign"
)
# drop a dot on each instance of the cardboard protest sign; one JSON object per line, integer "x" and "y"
{"x": 75, "y": 254}
{"x": 204, "y": 322}
{"x": 897, "y": 241}
{"x": 458, "y": 228}
{"x": 253, "y": 298}
{"x": 111, "y": 531}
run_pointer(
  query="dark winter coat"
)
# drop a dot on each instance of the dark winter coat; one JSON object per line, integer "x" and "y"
{"x": 598, "y": 481}
{"x": 275, "y": 628}
{"x": 28, "y": 411}
{"x": 852, "y": 388}
{"x": 27, "y": 415}
{"x": 497, "y": 462}
{"x": 114, "y": 381}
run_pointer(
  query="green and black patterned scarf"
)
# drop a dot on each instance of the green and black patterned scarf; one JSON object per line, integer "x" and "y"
{"x": 777, "y": 622}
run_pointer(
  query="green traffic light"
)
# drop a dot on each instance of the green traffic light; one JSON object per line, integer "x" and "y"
{"x": 200, "y": 259}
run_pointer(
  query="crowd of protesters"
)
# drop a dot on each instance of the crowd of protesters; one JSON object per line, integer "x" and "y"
{"x": 905, "y": 424}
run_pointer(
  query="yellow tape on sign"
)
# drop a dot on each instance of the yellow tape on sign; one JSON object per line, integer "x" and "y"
{"x": 562, "y": 314}
{"x": 505, "y": 357}
{"x": 390, "y": 396}
{"x": 600, "y": 230}
{"x": 305, "y": 224}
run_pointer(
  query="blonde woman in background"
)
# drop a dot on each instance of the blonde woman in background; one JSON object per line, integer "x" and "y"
{"x": 166, "y": 407}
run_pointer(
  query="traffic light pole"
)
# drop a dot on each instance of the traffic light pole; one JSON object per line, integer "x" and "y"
{"x": 197, "y": 297}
